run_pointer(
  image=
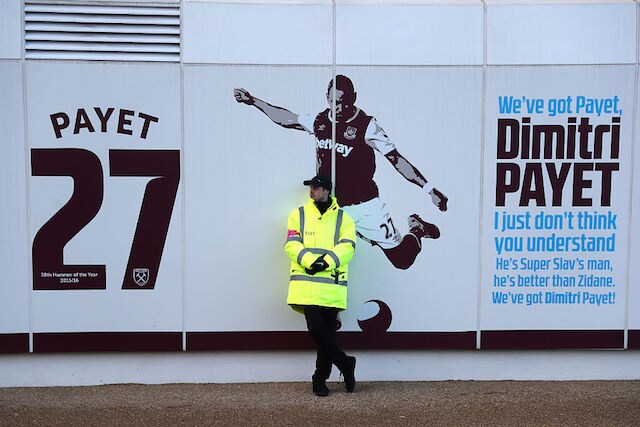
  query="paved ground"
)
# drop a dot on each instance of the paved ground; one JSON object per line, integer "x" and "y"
{"x": 487, "y": 403}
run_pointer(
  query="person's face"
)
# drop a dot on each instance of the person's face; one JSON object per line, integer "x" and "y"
{"x": 318, "y": 194}
{"x": 344, "y": 106}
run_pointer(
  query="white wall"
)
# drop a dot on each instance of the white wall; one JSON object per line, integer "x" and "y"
{"x": 39, "y": 370}
{"x": 431, "y": 73}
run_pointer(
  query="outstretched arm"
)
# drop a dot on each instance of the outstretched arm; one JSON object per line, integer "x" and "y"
{"x": 278, "y": 115}
{"x": 412, "y": 174}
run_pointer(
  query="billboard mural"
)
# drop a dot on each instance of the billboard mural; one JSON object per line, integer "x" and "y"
{"x": 558, "y": 161}
{"x": 104, "y": 148}
{"x": 396, "y": 288}
{"x": 494, "y": 205}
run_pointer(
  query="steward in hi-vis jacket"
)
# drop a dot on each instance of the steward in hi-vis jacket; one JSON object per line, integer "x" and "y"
{"x": 320, "y": 243}
{"x": 328, "y": 236}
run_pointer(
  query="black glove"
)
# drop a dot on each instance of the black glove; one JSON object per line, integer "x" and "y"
{"x": 318, "y": 265}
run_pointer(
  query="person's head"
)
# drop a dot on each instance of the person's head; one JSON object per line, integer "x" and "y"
{"x": 345, "y": 95}
{"x": 319, "y": 188}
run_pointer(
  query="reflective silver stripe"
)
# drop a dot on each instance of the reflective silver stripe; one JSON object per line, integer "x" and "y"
{"x": 318, "y": 251}
{"x": 336, "y": 236}
{"x": 295, "y": 239}
{"x": 351, "y": 242}
{"x": 335, "y": 258}
{"x": 301, "y": 254}
{"x": 327, "y": 280}
{"x": 301, "y": 210}
{"x": 304, "y": 251}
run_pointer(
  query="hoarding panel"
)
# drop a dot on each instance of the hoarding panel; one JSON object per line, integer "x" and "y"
{"x": 556, "y": 187}
{"x": 104, "y": 145}
{"x": 409, "y": 34}
{"x": 11, "y": 29}
{"x": 633, "y": 314}
{"x": 244, "y": 176}
{"x": 561, "y": 34}
{"x": 225, "y": 33}
{"x": 236, "y": 278}
{"x": 14, "y": 251}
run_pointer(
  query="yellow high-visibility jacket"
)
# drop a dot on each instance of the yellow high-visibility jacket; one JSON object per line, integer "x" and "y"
{"x": 309, "y": 236}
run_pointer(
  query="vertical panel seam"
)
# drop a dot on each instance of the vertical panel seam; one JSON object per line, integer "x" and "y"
{"x": 481, "y": 198}
{"x": 27, "y": 169}
{"x": 631, "y": 187}
{"x": 334, "y": 121}
{"x": 183, "y": 183}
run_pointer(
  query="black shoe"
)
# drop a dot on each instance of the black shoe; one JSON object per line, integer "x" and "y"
{"x": 349, "y": 373}
{"x": 421, "y": 228}
{"x": 320, "y": 388}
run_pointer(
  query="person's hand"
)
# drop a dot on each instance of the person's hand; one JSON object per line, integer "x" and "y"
{"x": 243, "y": 96}
{"x": 439, "y": 199}
{"x": 318, "y": 265}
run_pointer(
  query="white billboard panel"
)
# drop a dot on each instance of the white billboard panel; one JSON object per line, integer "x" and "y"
{"x": 11, "y": 29}
{"x": 227, "y": 33}
{"x": 561, "y": 33}
{"x": 234, "y": 255}
{"x": 104, "y": 145}
{"x": 430, "y": 115}
{"x": 556, "y": 193}
{"x": 244, "y": 176}
{"x": 633, "y": 313}
{"x": 409, "y": 34}
{"x": 14, "y": 251}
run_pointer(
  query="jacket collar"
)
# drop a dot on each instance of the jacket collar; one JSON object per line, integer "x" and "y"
{"x": 333, "y": 206}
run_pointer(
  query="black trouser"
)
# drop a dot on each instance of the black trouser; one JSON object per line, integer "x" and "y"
{"x": 321, "y": 323}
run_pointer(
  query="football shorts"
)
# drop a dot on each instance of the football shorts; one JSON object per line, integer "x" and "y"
{"x": 374, "y": 224}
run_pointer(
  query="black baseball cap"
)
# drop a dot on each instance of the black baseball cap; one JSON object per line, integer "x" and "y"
{"x": 319, "y": 181}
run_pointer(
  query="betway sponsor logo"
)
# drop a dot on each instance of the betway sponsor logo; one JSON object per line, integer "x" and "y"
{"x": 326, "y": 144}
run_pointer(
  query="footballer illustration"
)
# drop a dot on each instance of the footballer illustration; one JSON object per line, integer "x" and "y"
{"x": 358, "y": 136}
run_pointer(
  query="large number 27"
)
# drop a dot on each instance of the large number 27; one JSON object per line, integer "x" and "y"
{"x": 49, "y": 269}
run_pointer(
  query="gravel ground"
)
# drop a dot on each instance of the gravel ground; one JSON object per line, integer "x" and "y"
{"x": 489, "y": 403}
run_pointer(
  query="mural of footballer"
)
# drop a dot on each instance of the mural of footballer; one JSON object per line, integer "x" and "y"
{"x": 358, "y": 136}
